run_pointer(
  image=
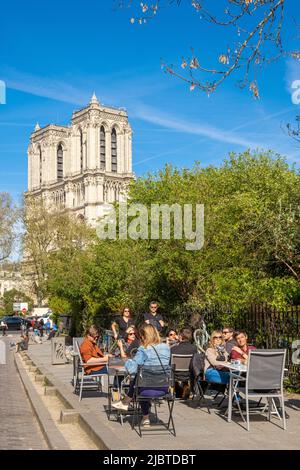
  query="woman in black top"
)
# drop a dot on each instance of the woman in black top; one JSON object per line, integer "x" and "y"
{"x": 122, "y": 323}
{"x": 129, "y": 344}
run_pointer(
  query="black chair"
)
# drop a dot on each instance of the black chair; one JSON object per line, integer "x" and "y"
{"x": 182, "y": 368}
{"x": 151, "y": 378}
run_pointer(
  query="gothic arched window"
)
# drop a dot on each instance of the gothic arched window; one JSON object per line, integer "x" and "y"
{"x": 60, "y": 163}
{"x": 114, "y": 149}
{"x": 41, "y": 165}
{"x": 81, "y": 149}
{"x": 102, "y": 148}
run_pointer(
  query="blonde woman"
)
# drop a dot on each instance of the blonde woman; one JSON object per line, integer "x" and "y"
{"x": 216, "y": 358}
{"x": 151, "y": 353}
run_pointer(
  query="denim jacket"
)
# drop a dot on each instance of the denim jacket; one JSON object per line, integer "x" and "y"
{"x": 148, "y": 357}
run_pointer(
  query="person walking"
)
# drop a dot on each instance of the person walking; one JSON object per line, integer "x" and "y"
{"x": 4, "y": 327}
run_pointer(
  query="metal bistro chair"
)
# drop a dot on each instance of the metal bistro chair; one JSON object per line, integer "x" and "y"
{"x": 153, "y": 377}
{"x": 264, "y": 379}
{"x": 75, "y": 354}
{"x": 182, "y": 367}
{"x": 85, "y": 381}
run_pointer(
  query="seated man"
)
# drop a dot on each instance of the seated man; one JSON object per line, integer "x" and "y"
{"x": 241, "y": 351}
{"x": 53, "y": 331}
{"x": 153, "y": 318}
{"x": 22, "y": 345}
{"x": 185, "y": 347}
{"x": 91, "y": 353}
{"x": 228, "y": 336}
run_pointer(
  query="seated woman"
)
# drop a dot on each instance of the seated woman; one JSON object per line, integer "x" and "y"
{"x": 120, "y": 325}
{"x": 172, "y": 338}
{"x": 216, "y": 358}
{"x": 151, "y": 353}
{"x": 130, "y": 344}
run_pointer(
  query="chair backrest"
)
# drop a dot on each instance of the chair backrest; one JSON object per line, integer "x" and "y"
{"x": 77, "y": 341}
{"x": 77, "y": 350}
{"x": 181, "y": 362}
{"x": 154, "y": 376}
{"x": 265, "y": 369}
{"x": 198, "y": 364}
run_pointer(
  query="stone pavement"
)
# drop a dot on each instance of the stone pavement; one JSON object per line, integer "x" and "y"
{"x": 196, "y": 429}
{"x": 18, "y": 426}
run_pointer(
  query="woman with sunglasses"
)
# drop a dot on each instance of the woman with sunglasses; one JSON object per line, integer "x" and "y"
{"x": 120, "y": 325}
{"x": 172, "y": 338}
{"x": 129, "y": 344}
{"x": 216, "y": 358}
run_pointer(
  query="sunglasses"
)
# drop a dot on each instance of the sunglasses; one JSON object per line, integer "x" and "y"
{"x": 172, "y": 334}
{"x": 225, "y": 332}
{"x": 217, "y": 337}
{"x": 130, "y": 334}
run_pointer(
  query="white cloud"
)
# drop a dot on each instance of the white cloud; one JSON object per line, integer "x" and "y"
{"x": 45, "y": 87}
{"x": 155, "y": 116}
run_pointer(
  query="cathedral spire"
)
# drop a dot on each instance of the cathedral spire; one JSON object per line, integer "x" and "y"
{"x": 37, "y": 127}
{"x": 94, "y": 99}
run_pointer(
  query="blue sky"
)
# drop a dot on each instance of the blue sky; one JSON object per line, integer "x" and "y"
{"x": 54, "y": 55}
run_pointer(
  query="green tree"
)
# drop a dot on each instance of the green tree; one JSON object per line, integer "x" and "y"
{"x": 12, "y": 296}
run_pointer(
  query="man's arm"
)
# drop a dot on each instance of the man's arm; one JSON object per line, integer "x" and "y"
{"x": 98, "y": 360}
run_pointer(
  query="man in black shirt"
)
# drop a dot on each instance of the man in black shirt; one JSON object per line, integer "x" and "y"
{"x": 153, "y": 318}
{"x": 230, "y": 342}
{"x": 185, "y": 345}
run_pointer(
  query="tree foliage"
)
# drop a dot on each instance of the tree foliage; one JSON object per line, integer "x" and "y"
{"x": 12, "y": 296}
{"x": 46, "y": 232}
{"x": 8, "y": 218}
{"x": 250, "y": 254}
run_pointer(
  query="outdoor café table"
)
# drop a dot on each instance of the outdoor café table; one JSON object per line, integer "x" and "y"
{"x": 235, "y": 371}
{"x": 117, "y": 375}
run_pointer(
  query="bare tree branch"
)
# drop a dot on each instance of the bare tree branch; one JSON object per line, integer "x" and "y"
{"x": 257, "y": 27}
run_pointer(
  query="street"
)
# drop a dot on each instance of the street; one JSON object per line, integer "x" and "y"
{"x": 19, "y": 427}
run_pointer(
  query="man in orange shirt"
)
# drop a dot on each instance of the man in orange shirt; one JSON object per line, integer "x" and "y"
{"x": 91, "y": 353}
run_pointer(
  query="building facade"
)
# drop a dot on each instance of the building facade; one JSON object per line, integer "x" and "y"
{"x": 83, "y": 166}
{"x": 10, "y": 279}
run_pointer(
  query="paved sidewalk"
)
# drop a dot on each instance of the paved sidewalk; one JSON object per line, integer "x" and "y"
{"x": 196, "y": 429}
{"x": 18, "y": 426}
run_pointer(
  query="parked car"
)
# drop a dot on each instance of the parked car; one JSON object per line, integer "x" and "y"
{"x": 13, "y": 322}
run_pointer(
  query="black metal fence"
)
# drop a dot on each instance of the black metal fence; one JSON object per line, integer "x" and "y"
{"x": 266, "y": 327}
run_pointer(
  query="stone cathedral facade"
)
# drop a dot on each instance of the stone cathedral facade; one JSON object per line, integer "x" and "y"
{"x": 84, "y": 166}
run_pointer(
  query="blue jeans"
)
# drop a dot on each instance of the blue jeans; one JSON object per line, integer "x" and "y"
{"x": 217, "y": 376}
{"x": 101, "y": 371}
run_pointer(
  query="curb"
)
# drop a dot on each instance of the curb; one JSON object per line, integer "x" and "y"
{"x": 54, "y": 438}
{"x": 98, "y": 431}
